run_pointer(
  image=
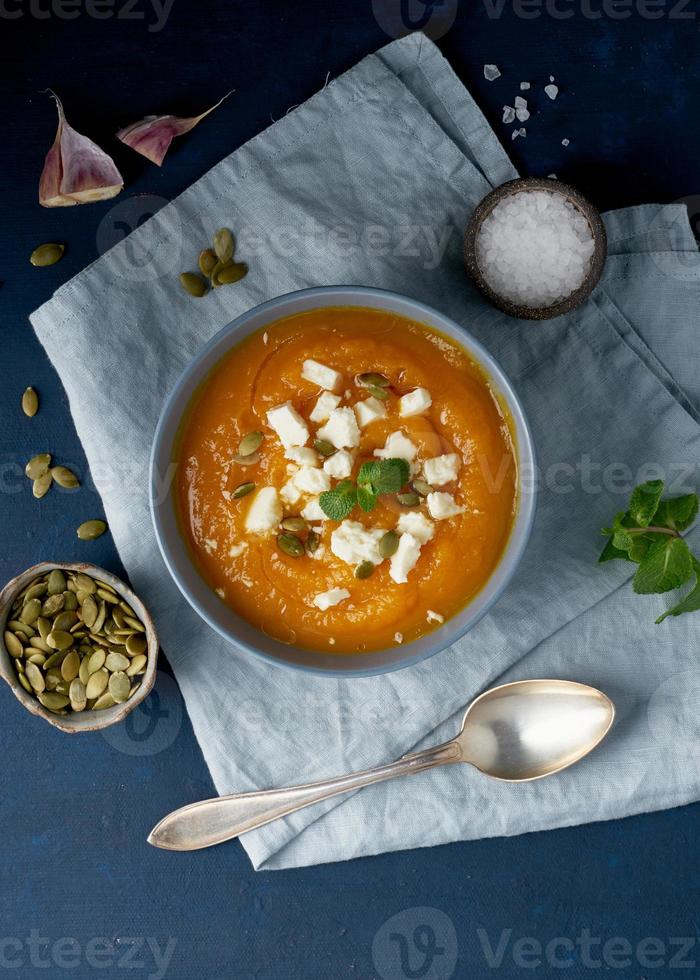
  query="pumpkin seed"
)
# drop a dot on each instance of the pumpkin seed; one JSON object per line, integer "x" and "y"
{"x": 136, "y": 665}
{"x": 313, "y": 542}
{"x": 104, "y": 701}
{"x": 13, "y": 644}
{"x": 53, "y": 605}
{"x": 101, "y": 616}
{"x": 89, "y": 530}
{"x": 133, "y": 691}
{"x": 35, "y": 657}
{"x": 35, "y": 677}
{"x": 381, "y": 393}
{"x": 324, "y": 447}
{"x": 97, "y": 684}
{"x": 70, "y": 600}
{"x": 78, "y": 695}
{"x": 293, "y": 524}
{"x": 47, "y": 254}
{"x": 193, "y": 284}
{"x": 66, "y": 620}
{"x": 388, "y": 544}
{"x": 116, "y": 662}
{"x": 291, "y": 545}
{"x": 224, "y": 245}
{"x": 83, "y": 672}
{"x": 14, "y": 625}
{"x": 421, "y": 487}
{"x": 136, "y": 644}
{"x": 242, "y": 490}
{"x": 251, "y": 460}
{"x": 59, "y": 640}
{"x": 90, "y": 610}
{"x": 214, "y": 274}
{"x": 408, "y": 499}
{"x": 84, "y": 583}
{"x": 44, "y": 626}
{"x": 250, "y": 443}
{"x": 37, "y": 466}
{"x": 36, "y": 591}
{"x": 373, "y": 378}
{"x": 207, "y": 261}
{"x": 70, "y": 666}
{"x": 54, "y": 660}
{"x": 42, "y": 485}
{"x": 25, "y": 684}
{"x": 30, "y": 611}
{"x": 119, "y": 687}
{"x": 96, "y": 661}
{"x": 107, "y": 596}
{"x": 364, "y": 569}
{"x": 56, "y": 582}
{"x": 30, "y": 402}
{"x": 53, "y": 678}
{"x": 233, "y": 272}
{"x": 53, "y": 701}
{"x": 65, "y": 477}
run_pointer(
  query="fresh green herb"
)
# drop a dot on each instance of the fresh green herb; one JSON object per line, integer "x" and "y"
{"x": 648, "y": 533}
{"x": 374, "y": 479}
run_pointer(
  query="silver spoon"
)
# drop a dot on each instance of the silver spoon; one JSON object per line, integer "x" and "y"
{"x": 515, "y": 732}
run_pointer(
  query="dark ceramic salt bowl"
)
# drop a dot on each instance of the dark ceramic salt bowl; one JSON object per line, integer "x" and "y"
{"x": 595, "y": 223}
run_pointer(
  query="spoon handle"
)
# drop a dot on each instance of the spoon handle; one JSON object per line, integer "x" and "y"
{"x": 223, "y": 818}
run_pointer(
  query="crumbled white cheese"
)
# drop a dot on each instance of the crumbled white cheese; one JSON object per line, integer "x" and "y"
{"x": 353, "y": 543}
{"x": 319, "y": 552}
{"x": 398, "y": 637}
{"x": 210, "y": 545}
{"x": 397, "y": 446}
{"x": 220, "y": 592}
{"x": 237, "y": 549}
{"x": 325, "y": 404}
{"x": 434, "y": 617}
{"x": 265, "y": 511}
{"x": 369, "y": 410}
{"x": 288, "y": 424}
{"x": 290, "y": 492}
{"x": 313, "y": 512}
{"x": 341, "y": 429}
{"x": 443, "y": 505}
{"x": 417, "y": 524}
{"x": 302, "y": 456}
{"x": 404, "y": 558}
{"x": 441, "y": 469}
{"x": 339, "y": 465}
{"x": 324, "y": 600}
{"x": 415, "y": 402}
{"x": 321, "y": 375}
{"x": 311, "y": 479}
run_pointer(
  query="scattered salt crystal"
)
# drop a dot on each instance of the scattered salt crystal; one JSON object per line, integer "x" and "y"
{"x": 518, "y": 132}
{"x": 551, "y": 78}
{"x": 520, "y": 102}
{"x": 534, "y": 248}
{"x": 553, "y": 176}
{"x": 491, "y": 73}
{"x": 524, "y": 86}
{"x": 552, "y": 91}
{"x": 508, "y": 114}
{"x": 565, "y": 142}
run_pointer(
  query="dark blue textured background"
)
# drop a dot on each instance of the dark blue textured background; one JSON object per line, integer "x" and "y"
{"x": 75, "y": 812}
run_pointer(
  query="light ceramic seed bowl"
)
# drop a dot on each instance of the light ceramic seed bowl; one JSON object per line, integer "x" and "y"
{"x": 182, "y": 567}
{"x": 83, "y": 721}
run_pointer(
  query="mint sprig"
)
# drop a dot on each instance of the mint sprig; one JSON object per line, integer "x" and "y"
{"x": 648, "y": 533}
{"x": 374, "y": 479}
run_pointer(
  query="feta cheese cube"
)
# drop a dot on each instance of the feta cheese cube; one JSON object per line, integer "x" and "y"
{"x": 265, "y": 512}
{"x": 324, "y": 600}
{"x": 353, "y": 543}
{"x": 443, "y": 505}
{"x": 417, "y": 524}
{"x": 319, "y": 553}
{"x": 290, "y": 493}
{"x": 321, "y": 375}
{"x": 312, "y": 479}
{"x": 404, "y": 558}
{"x": 325, "y": 404}
{"x": 339, "y": 465}
{"x": 434, "y": 617}
{"x": 313, "y": 512}
{"x": 441, "y": 469}
{"x": 288, "y": 424}
{"x": 397, "y": 446}
{"x": 369, "y": 410}
{"x": 415, "y": 402}
{"x": 341, "y": 429}
{"x": 236, "y": 550}
{"x": 302, "y": 456}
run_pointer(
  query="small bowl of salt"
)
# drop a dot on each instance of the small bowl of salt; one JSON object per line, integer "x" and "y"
{"x": 535, "y": 248}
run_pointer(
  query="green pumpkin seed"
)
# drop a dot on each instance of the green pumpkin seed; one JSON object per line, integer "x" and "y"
{"x": 381, "y": 393}
{"x": 104, "y": 701}
{"x": 53, "y": 701}
{"x": 90, "y": 610}
{"x": 84, "y": 583}
{"x": 42, "y": 485}
{"x": 116, "y": 662}
{"x": 97, "y": 684}
{"x": 37, "y": 466}
{"x": 63, "y": 687}
{"x": 13, "y": 644}
{"x": 373, "y": 378}
{"x": 252, "y": 460}
{"x": 119, "y": 687}
{"x": 70, "y": 666}
{"x": 56, "y": 582}
{"x": 388, "y": 544}
{"x": 66, "y": 620}
{"x": 16, "y": 626}
{"x": 408, "y": 499}
{"x": 313, "y": 542}
{"x": 35, "y": 677}
{"x": 107, "y": 596}
{"x": 324, "y": 447}
{"x": 78, "y": 695}
{"x": 136, "y": 644}
{"x": 364, "y": 569}
{"x": 44, "y": 626}
{"x": 233, "y": 272}
{"x": 207, "y": 260}
{"x": 224, "y": 245}
{"x": 59, "y": 640}
{"x": 242, "y": 490}
{"x": 47, "y": 254}
{"x": 250, "y": 443}
{"x": 291, "y": 545}
{"x": 83, "y": 672}
{"x": 35, "y": 657}
{"x": 30, "y": 611}
{"x": 293, "y": 524}
{"x": 96, "y": 661}
{"x": 101, "y": 616}
{"x": 30, "y": 402}
{"x": 90, "y": 530}
{"x": 70, "y": 600}
{"x": 53, "y": 605}
{"x": 136, "y": 666}
{"x": 65, "y": 477}
{"x": 421, "y": 487}
{"x": 25, "y": 684}
{"x": 193, "y": 284}
{"x": 36, "y": 591}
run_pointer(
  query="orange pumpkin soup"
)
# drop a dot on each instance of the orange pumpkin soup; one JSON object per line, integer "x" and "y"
{"x": 327, "y": 391}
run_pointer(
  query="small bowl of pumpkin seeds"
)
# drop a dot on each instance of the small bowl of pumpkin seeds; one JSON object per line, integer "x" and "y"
{"x": 78, "y": 647}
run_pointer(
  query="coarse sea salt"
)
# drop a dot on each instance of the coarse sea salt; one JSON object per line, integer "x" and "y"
{"x": 491, "y": 73}
{"x": 534, "y": 248}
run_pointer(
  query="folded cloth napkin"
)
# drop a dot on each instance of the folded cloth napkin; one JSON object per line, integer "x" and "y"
{"x": 372, "y": 181}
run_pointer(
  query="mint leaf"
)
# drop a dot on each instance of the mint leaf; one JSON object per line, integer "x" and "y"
{"x": 366, "y": 498}
{"x": 666, "y": 565}
{"x": 369, "y": 472}
{"x": 690, "y": 602}
{"x": 677, "y": 513}
{"x": 610, "y": 553}
{"x": 394, "y": 473}
{"x": 644, "y": 501}
{"x": 626, "y": 541}
{"x": 339, "y": 502}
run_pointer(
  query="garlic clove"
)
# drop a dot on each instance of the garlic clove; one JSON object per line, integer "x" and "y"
{"x": 76, "y": 170}
{"x": 152, "y": 136}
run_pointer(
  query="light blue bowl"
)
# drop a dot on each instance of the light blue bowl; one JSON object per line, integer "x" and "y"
{"x": 174, "y": 548}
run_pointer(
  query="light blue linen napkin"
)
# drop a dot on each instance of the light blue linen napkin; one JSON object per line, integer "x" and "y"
{"x": 372, "y": 181}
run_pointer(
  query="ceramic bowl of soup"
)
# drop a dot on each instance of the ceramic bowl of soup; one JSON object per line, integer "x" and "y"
{"x": 337, "y": 481}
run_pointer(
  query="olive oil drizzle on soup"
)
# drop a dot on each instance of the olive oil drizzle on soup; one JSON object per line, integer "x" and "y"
{"x": 437, "y": 408}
